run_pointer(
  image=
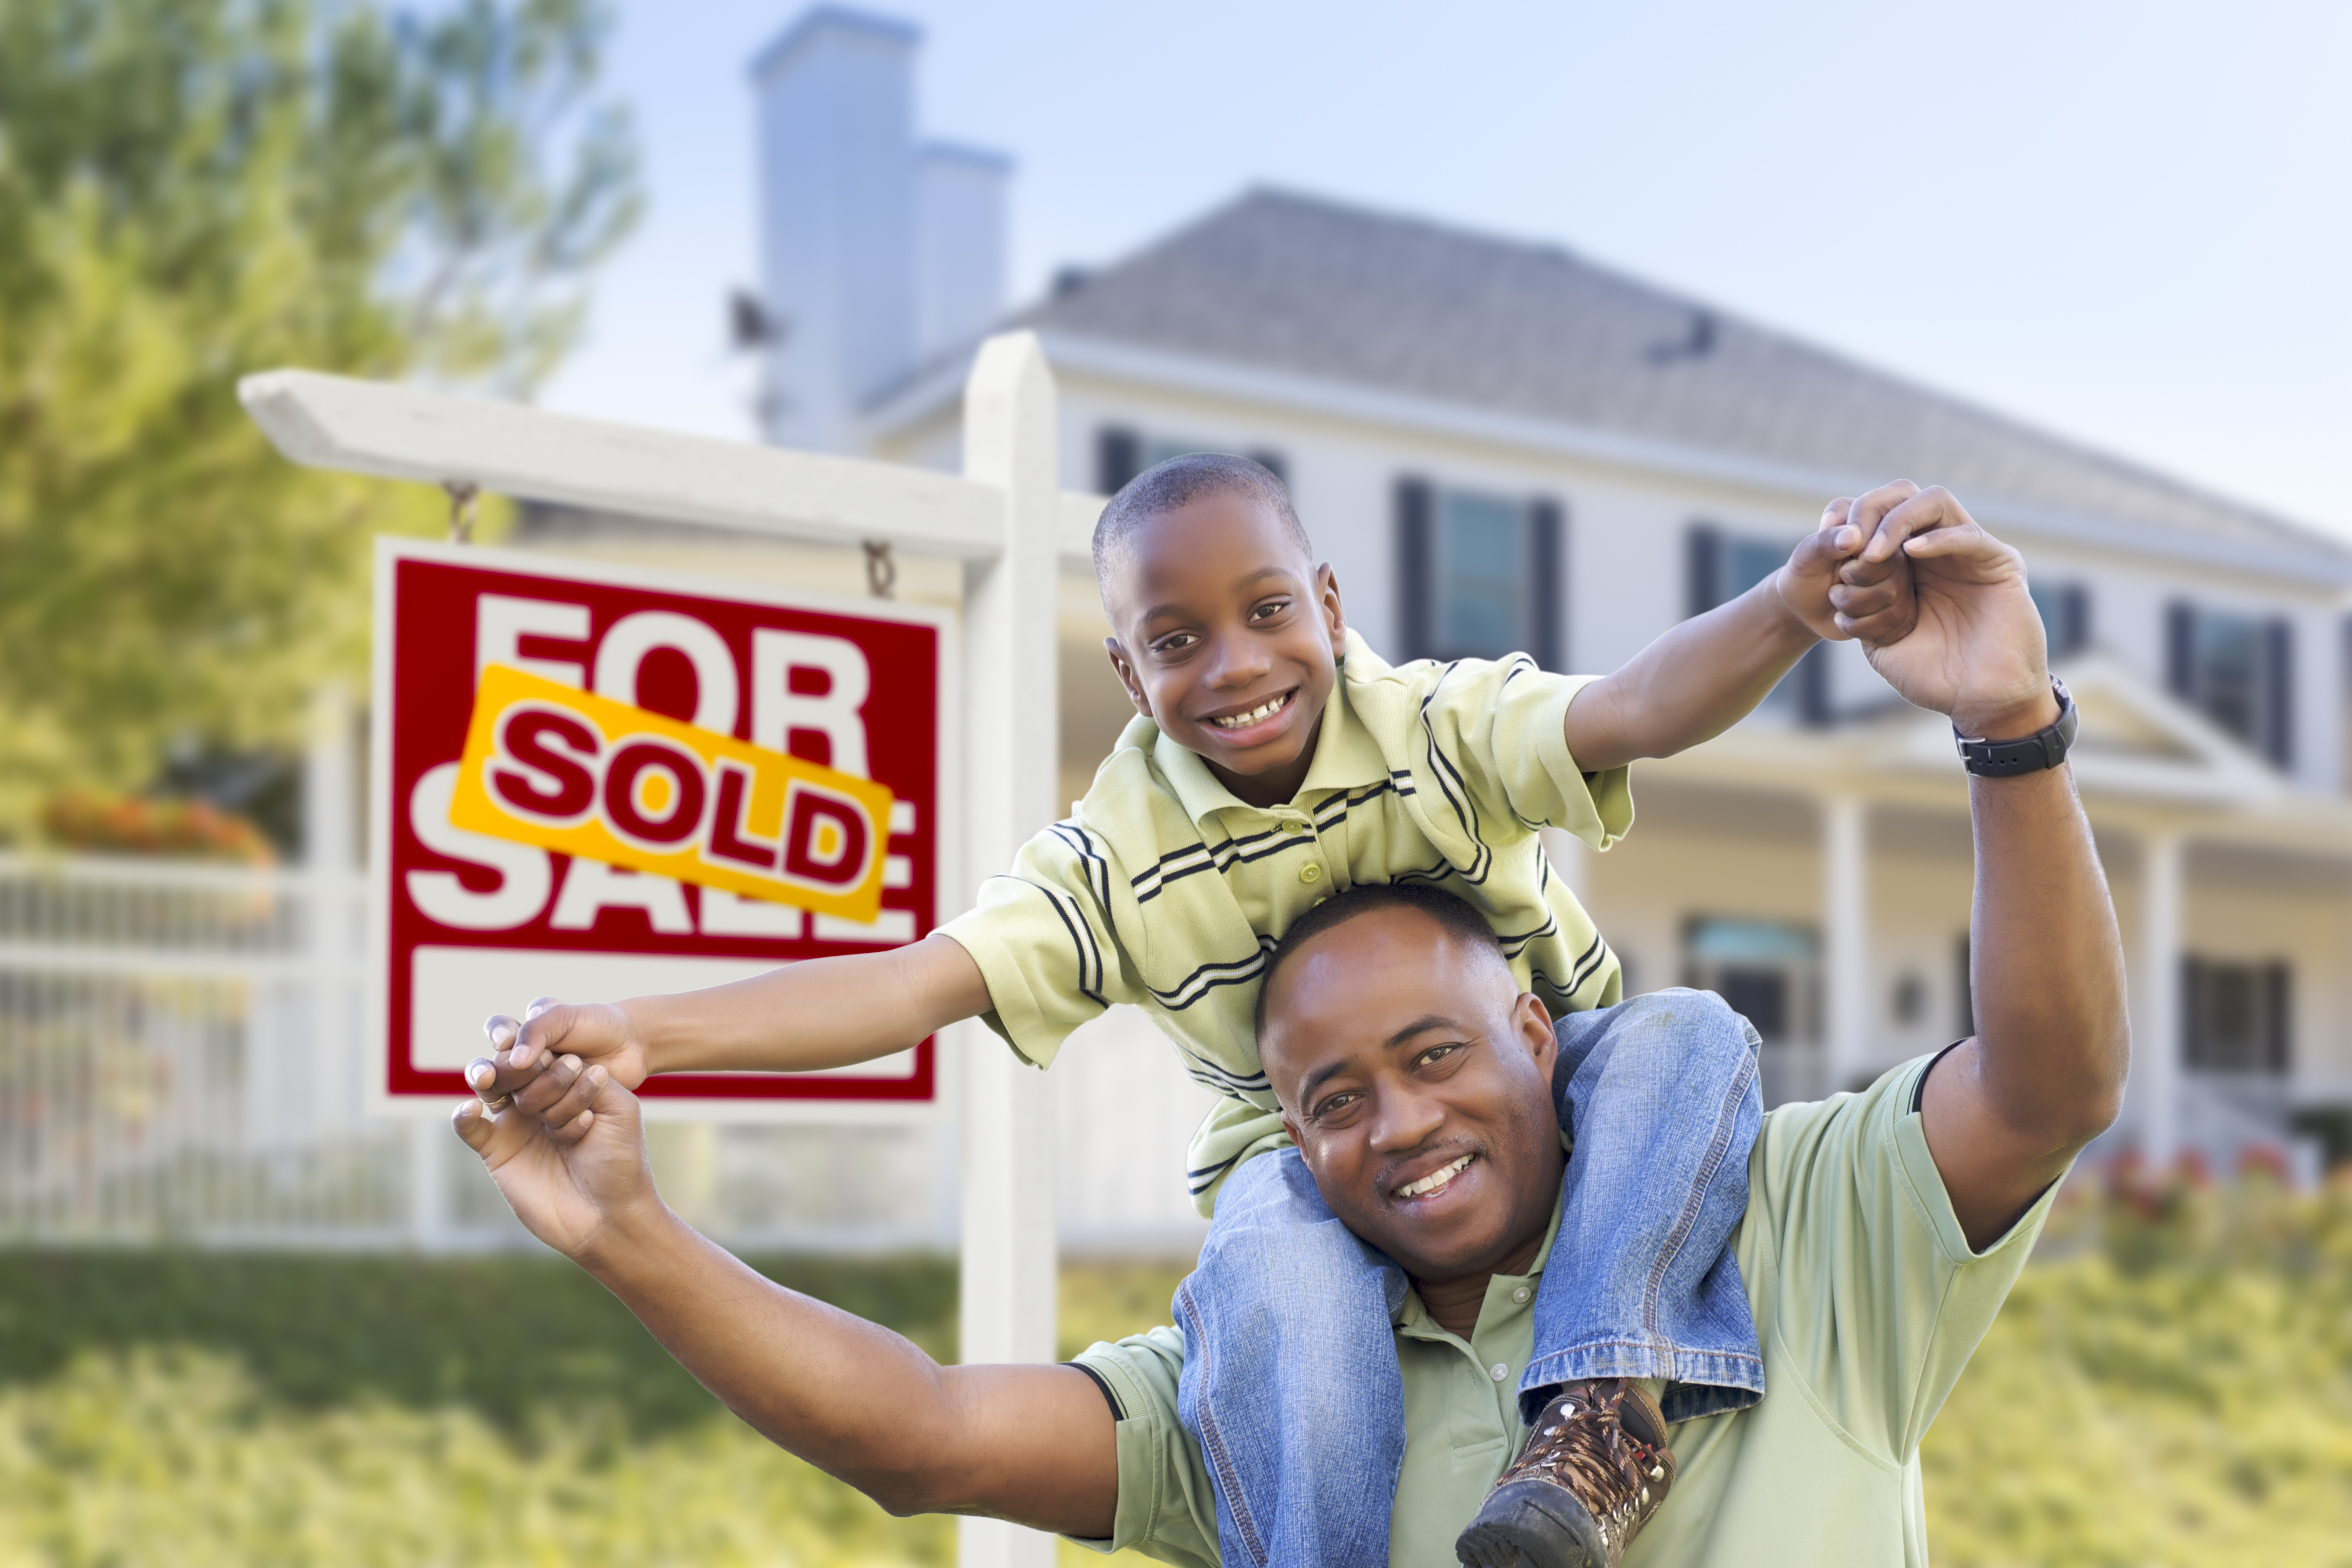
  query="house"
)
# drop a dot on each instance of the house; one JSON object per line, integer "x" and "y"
{"x": 1501, "y": 446}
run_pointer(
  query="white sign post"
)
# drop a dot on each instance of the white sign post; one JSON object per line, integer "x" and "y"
{"x": 1005, "y": 519}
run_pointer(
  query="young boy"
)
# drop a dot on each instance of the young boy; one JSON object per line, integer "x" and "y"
{"x": 1277, "y": 760}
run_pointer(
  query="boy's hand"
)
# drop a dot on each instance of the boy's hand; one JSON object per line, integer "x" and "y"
{"x": 538, "y": 1058}
{"x": 1977, "y": 652}
{"x": 1834, "y": 586}
{"x": 573, "y": 1183}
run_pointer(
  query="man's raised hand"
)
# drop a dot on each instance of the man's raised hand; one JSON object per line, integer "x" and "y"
{"x": 1976, "y": 650}
{"x": 573, "y": 1184}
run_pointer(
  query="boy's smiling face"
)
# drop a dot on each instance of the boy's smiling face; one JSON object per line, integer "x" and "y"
{"x": 1228, "y": 637}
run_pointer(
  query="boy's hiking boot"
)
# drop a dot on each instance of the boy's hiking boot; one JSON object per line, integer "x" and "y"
{"x": 1594, "y": 1469}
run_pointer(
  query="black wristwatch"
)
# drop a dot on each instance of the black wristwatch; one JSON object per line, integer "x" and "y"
{"x": 2006, "y": 759}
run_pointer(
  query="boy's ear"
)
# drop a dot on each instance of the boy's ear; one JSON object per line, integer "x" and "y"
{"x": 1327, "y": 599}
{"x": 1126, "y": 673}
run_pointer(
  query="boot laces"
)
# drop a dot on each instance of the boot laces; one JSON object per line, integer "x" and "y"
{"x": 1580, "y": 1444}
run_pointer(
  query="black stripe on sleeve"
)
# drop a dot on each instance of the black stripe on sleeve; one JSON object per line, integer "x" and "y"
{"x": 1116, "y": 1412}
{"x": 1919, "y": 1090}
{"x": 1082, "y": 940}
{"x": 1456, "y": 790}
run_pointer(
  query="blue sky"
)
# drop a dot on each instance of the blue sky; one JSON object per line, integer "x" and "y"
{"x": 2130, "y": 224}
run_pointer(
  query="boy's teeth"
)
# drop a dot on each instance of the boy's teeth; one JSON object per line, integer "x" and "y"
{"x": 1263, "y": 709}
{"x": 1434, "y": 1181}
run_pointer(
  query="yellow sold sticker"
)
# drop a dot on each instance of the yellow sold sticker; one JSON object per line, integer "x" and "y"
{"x": 571, "y": 770}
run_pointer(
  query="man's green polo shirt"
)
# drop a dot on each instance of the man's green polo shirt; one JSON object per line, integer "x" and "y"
{"x": 1868, "y": 1302}
{"x": 1164, "y": 890}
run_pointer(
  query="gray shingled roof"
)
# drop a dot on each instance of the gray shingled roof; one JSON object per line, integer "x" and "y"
{"x": 1310, "y": 287}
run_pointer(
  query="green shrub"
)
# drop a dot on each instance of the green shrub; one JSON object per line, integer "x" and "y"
{"x": 177, "y": 1457}
{"x": 2178, "y": 1389}
{"x": 2171, "y": 1383}
{"x": 515, "y": 1340}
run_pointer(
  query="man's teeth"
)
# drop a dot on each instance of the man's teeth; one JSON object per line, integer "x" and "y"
{"x": 1434, "y": 1182}
{"x": 1262, "y": 710}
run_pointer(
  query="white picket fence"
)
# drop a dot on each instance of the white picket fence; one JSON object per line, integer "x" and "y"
{"x": 180, "y": 1061}
{"x": 161, "y": 1069}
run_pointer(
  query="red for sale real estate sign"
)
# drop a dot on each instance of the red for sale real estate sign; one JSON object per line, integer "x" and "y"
{"x": 593, "y": 782}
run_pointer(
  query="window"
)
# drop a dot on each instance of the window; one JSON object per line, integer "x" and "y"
{"x": 2066, "y": 610}
{"x": 1909, "y": 1002}
{"x": 1767, "y": 971}
{"x": 1122, "y": 452}
{"x": 1478, "y": 575}
{"x": 1118, "y": 457}
{"x": 1718, "y": 567}
{"x": 2235, "y": 1016}
{"x": 1721, "y": 566}
{"x": 2237, "y": 671}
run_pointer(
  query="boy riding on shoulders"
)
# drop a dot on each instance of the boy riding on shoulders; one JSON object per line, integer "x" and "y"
{"x": 1275, "y": 762}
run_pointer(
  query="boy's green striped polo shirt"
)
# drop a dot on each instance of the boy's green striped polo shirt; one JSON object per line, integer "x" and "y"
{"x": 1166, "y": 891}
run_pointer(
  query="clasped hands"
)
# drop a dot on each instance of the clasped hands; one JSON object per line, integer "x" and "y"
{"x": 1938, "y": 605}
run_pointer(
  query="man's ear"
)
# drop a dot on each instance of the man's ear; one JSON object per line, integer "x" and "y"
{"x": 1126, "y": 673}
{"x": 1533, "y": 1025}
{"x": 1327, "y": 599}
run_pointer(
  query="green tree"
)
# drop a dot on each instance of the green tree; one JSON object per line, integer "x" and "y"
{"x": 191, "y": 190}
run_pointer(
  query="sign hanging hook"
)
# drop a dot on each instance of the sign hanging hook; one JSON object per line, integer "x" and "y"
{"x": 881, "y": 569}
{"x": 462, "y": 495}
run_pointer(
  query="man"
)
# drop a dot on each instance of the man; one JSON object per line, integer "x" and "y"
{"x": 1881, "y": 1231}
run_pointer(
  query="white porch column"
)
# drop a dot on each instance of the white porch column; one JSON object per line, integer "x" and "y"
{"x": 1571, "y": 862}
{"x": 1011, "y": 738}
{"x": 1845, "y": 940}
{"x": 2156, "y": 999}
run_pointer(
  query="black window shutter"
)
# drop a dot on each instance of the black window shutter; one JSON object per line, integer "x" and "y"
{"x": 1547, "y": 563}
{"x": 2074, "y": 614}
{"x": 1414, "y": 563}
{"x": 1813, "y": 678}
{"x": 2278, "y": 998}
{"x": 1702, "y": 569}
{"x": 2194, "y": 1033}
{"x": 2278, "y": 691}
{"x": 2181, "y": 649}
{"x": 1118, "y": 457}
{"x": 1273, "y": 462}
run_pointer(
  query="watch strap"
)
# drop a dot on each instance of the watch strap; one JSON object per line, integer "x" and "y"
{"x": 2043, "y": 748}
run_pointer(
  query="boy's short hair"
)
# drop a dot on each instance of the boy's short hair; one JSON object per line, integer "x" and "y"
{"x": 1178, "y": 481}
{"x": 1455, "y": 916}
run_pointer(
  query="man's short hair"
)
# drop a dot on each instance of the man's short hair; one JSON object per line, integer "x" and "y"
{"x": 1454, "y": 915}
{"x": 1178, "y": 481}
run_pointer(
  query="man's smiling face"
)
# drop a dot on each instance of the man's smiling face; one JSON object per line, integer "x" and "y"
{"x": 1415, "y": 1079}
{"x": 1228, "y": 637}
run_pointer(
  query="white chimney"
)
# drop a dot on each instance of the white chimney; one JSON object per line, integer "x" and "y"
{"x": 875, "y": 253}
{"x": 959, "y": 245}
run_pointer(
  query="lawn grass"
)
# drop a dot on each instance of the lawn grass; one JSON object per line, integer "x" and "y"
{"x": 2170, "y": 1384}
